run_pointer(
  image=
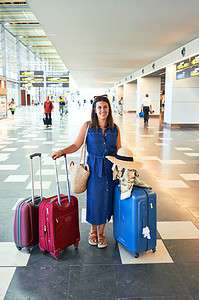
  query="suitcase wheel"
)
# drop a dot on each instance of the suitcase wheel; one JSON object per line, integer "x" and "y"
{"x": 136, "y": 255}
{"x": 76, "y": 245}
{"x": 56, "y": 257}
{"x": 154, "y": 250}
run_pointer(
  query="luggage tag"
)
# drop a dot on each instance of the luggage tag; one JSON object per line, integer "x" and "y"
{"x": 146, "y": 232}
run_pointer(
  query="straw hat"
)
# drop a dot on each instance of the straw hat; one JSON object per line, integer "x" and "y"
{"x": 124, "y": 159}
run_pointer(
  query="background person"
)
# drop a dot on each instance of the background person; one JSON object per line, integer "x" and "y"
{"x": 146, "y": 108}
{"x": 66, "y": 106}
{"x": 162, "y": 101}
{"x": 12, "y": 106}
{"x": 61, "y": 105}
{"x": 120, "y": 106}
{"x": 103, "y": 138}
{"x": 48, "y": 107}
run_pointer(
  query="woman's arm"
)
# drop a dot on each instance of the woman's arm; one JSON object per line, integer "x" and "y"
{"x": 118, "y": 145}
{"x": 75, "y": 146}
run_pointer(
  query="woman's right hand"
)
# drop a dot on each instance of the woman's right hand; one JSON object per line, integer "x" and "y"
{"x": 57, "y": 154}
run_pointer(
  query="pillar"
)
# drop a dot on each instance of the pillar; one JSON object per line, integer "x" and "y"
{"x": 151, "y": 86}
{"x": 130, "y": 96}
{"x": 119, "y": 92}
{"x": 181, "y": 99}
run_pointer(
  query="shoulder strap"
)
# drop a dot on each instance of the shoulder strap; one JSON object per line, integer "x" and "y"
{"x": 83, "y": 150}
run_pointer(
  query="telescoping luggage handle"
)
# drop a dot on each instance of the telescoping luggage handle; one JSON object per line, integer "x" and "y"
{"x": 32, "y": 175}
{"x": 67, "y": 181}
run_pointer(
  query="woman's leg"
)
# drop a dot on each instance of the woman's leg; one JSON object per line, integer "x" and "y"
{"x": 102, "y": 242}
{"x": 92, "y": 238}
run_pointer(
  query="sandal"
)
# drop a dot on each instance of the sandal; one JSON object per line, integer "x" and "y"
{"x": 102, "y": 242}
{"x": 92, "y": 238}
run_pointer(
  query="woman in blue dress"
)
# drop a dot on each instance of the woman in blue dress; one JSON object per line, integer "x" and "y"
{"x": 103, "y": 138}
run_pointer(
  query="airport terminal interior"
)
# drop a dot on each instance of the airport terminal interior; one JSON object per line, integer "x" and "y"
{"x": 75, "y": 50}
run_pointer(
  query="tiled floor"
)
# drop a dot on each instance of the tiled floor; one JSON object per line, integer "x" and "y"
{"x": 160, "y": 256}
{"x": 188, "y": 177}
{"x": 170, "y": 167}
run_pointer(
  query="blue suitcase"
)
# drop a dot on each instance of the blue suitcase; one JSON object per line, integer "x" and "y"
{"x": 134, "y": 221}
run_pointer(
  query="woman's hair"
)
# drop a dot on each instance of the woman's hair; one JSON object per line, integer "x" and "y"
{"x": 94, "y": 118}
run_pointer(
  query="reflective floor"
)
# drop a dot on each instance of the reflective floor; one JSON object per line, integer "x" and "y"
{"x": 171, "y": 167}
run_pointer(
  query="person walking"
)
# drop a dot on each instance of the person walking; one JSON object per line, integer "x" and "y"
{"x": 103, "y": 138}
{"x": 120, "y": 106}
{"x": 146, "y": 108}
{"x": 66, "y": 106}
{"x": 61, "y": 105}
{"x": 12, "y": 107}
{"x": 48, "y": 107}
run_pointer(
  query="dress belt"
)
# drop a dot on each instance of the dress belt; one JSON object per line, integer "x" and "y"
{"x": 98, "y": 162}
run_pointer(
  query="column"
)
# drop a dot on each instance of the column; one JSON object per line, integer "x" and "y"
{"x": 151, "y": 86}
{"x": 130, "y": 96}
{"x": 181, "y": 99}
{"x": 119, "y": 92}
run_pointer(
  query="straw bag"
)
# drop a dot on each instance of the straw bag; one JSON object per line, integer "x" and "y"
{"x": 80, "y": 172}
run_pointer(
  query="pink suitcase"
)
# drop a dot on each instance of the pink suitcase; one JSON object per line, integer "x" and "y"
{"x": 26, "y": 233}
{"x": 58, "y": 221}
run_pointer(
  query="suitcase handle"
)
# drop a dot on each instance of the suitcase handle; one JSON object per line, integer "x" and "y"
{"x": 32, "y": 175}
{"x": 67, "y": 181}
{"x": 34, "y": 155}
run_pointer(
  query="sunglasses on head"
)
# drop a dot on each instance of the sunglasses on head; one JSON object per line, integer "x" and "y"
{"x": 101, "y": 96}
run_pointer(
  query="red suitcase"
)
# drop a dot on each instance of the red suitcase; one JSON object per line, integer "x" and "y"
{"x": 58, "y": 221}
{"x": 26, "y": 228}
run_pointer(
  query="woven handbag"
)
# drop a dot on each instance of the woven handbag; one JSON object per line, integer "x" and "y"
{"x": 79, "y": 172}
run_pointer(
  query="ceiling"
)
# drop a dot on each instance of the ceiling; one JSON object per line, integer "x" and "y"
{"x": 102, "y": 41}
{"x": 18, "y": 18}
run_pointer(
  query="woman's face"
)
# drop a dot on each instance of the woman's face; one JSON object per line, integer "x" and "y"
{"x": 102, "y": 110}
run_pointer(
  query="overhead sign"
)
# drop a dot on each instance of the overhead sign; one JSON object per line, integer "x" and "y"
{"x": 183, "y": 65}
{"x": 183, "y": 69}
{"x": 32, "y": 78}
{"x": 195, "y": 60}
{"x": 59, "y": 81}
{"x": 188, "y": 68}
{"x": 27, "y": 73}
{"x": 36, "y": 79}
{"x": 194, "y": 71}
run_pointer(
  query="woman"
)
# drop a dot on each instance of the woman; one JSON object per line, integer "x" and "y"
{"x": 103, "y": 138}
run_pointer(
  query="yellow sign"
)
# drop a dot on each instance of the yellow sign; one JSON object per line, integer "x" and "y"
{"x": 57, "y": 79}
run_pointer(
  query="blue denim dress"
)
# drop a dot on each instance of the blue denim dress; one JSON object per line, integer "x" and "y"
{"x": 100, "y": 186}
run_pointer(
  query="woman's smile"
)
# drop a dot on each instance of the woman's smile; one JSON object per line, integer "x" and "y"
{"x": 102, "y": 109}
